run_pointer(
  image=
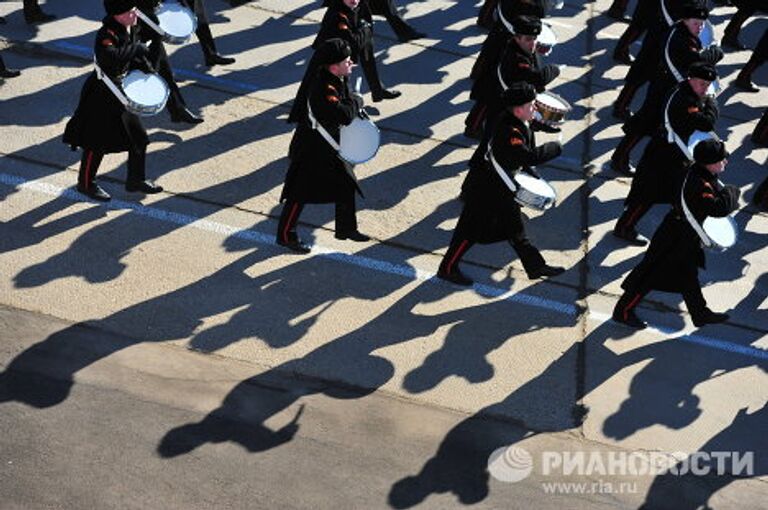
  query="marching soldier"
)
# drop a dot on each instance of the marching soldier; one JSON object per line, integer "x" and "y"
{"x": 158, "y": 57}
{"x": 101, "y": 124}
{"x": 316, "y": 174}
{"x": 675, "y": 254}
{"x": 688, "y": 109}
{"x": 759, "y": 56}
{"x": 680, "y": 48}
{"x": 490, "y": 212}
{"x": 760, "y": 199}
{"x": 502, "y": 33}
{"x": 205, "y": 37}
{"x": 489, "y": 10}
{"x": 519, "y": 62}
{"x": 345, "y": 19}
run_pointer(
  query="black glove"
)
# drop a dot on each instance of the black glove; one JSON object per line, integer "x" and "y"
{"x": 358, "y": 100}
{"x": 713, "y": 54}
{"x": 549, "y": 72}
{"x": 733, "y": 196}
{"x": 548, "y": 151}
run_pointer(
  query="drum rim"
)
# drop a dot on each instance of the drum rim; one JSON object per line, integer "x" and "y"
{"x": 556, "y": 96}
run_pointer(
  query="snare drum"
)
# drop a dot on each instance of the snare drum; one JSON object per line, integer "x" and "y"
{"x": 146, "y": 93}
{"x": 533, "y": 192}
{"x": 359, "y": 141}
{"x": 721, "y": 232}
{"x": 552, "y": 108}
{"x": 546, "y": 40}
{"x": 178, "y": 22}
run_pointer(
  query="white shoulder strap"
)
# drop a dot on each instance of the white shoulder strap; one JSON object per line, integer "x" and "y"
{"x": 672, "y": 136}
{"x": 495, "y": 164}
{"x": 705, "y": 240}
{"x": 320, "y": 129}
{"x": 151, "y": 24}
{"x": 664, "y": 11}
{"x": 101, "y": 75}
{"x": 678, "y": 76}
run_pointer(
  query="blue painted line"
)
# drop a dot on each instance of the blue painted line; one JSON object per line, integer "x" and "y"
{"x": 84, "y": 51}
{"x": 380, "y": 266}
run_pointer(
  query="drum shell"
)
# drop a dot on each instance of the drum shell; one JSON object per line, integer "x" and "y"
{"x": 530, "y": 198}
{"x": 549, "y": 114}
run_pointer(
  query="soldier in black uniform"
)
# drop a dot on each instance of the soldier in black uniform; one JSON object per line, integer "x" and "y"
{"x": 490, "y": 212}
{"x": 664, "y": 164}
{"x": 655, "y": 17}
{"x": 618, "y": 9}
{"x": 760, "y": 134}
{"x": 519, "y": 62}
{"x": 680, "y": 48}
{"x": 746, "y": 9}
{"x": 204, "y": 35}
{"x": 402, "y": 29}
{"x": 101, "y": 124}
{"x": 675, "y": 254}
{"x": 511, "y": 8}
{"x": 502, "y": 33}
{"x": 317, "y": 175}
{"x": 345, "y": 19}
{"x": 759, "y": 56}
{"x": 158, "y": 57}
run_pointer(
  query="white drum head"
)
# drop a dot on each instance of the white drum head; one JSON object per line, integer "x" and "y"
{"x": 360, "y": 141}
{"x": 176, "y": 20}
{"x": 722, "y": 231}
{"x": 547, "y": 37}
{"x": 145, "y": 89}
{"x": 538, "y": 187}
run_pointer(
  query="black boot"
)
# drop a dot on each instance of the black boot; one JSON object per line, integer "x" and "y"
{"x": 626, "y": 225}
{"x": 7, "y": 73}
{"x": 34, "y": 15}
{"x": 449, "y": 266}
{"x": 744, "y": 78}
{"x": 212, "y": 57}
{"x": 184, "y": 115}
{"x": 620, "y": 157}
{"x": 617, "y": 10}
{"x": 624, "y": 311}
{"x": 286, "y": 228}
{"x": 621, "y": 108}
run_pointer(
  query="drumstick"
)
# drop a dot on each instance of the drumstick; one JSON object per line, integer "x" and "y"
{"x": 358, "y": 83}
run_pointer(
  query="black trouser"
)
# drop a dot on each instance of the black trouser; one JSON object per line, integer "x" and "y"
{"x": 387, "y": 9}
{"x": 162, "y": 65}
{"x": 758, "y": 58}
{"x": 737, "y": 20}
{"x": 346, "y": 218}
{"x": 31, "y": 7}
{"x": 462, "y": 241}
{"x": 691, "y": 292}
{"x": 368, "y": 63}
{"x": 91, "y": 160}
{"x": 485, "y": 17}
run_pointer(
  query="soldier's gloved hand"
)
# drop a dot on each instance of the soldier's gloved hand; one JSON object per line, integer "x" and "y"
{"x": 140, "y": 50}
{"x": 713, "y": 54}
{"x": 549, "y": 72}
{"x": 550, "y": 150}
{"x": 734, "y": 194}
{"x": 143, "y": 64}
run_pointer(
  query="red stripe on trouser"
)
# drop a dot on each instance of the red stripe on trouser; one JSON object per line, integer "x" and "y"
{"x": 633, "y": 217}
{"x": 630, "y": 306}
{"x": 88, "y": 161}
{"x": 291, "y": 218}
{"x": 456, "y": 256}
